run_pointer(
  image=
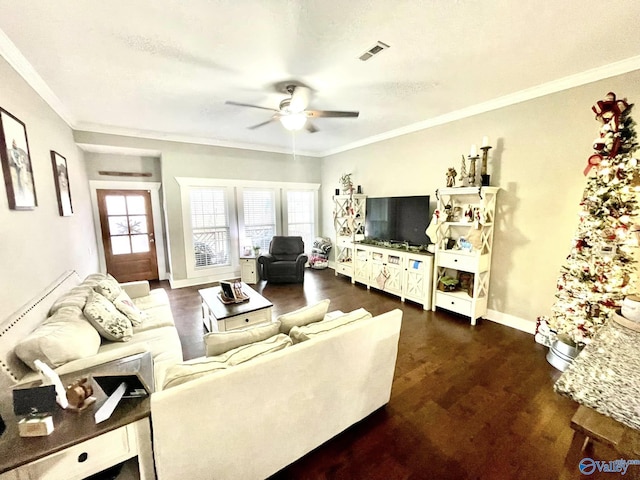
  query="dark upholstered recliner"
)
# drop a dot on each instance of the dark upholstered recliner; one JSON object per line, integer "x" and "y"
{"x": 285, "y": 261}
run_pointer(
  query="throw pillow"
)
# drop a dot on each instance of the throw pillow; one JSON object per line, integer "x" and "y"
{"x": 93, "y": 279}
{"x": 110, "y": 323}
{"x": 108, "y": 288}
{"x": 219, "y": 343}
{"x": 199, "y": 367}
{"x": 303, "y": 316}
{"x": 123, "y": 303}
{"x": 61, "y": 338}
{"x": 305, "y": 332}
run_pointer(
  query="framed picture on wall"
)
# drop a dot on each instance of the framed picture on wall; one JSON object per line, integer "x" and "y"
{"x": 61, "y": 179}
{"x": 16, "y": 163}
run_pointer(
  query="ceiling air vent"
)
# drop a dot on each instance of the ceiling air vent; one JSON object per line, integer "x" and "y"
{"x": 377, "y": 48}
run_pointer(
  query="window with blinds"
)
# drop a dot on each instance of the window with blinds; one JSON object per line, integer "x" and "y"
{"x": 259, "y": 216}
{"x": 301, "y": 216}
{"x": 210, "y": 226}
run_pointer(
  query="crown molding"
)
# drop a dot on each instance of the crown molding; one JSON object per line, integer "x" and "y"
{"x": 127, "y": 151}
{"x": 20, "y": 64}
{"x": 565, "y": 83}
{"x": 170, "y": 137}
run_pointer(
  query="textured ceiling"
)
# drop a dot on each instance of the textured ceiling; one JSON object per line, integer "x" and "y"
{"x": 164, "y": 68}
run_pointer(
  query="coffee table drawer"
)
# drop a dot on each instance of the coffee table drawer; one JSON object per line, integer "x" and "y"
{"x": 248, "y": 319}
{"x": 81, "y": 460}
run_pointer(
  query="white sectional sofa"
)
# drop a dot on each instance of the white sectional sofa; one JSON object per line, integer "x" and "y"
{"x": 252, "y": 419}
{"x": 260, "y": 400}
{"x": 76, "y": 346}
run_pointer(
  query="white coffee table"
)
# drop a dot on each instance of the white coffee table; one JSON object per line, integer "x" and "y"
{"x": 218, "y": 317}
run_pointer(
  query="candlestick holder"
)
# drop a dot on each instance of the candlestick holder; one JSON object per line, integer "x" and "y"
{"x": 485, "y": 178}
{"x": 473, "y": 181}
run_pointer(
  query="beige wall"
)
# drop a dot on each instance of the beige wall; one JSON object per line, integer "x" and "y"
{"x": 97, "y": 162}
{"x": 191, "y": 160}
{"x": 541, "y": 149}
{"x": 37, "y": 246}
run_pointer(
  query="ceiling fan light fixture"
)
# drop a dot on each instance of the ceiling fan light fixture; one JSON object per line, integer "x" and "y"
{"x": 293, "y": 121}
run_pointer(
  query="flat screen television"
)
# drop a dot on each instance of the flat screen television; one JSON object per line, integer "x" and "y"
{"x": 398, "y": 219}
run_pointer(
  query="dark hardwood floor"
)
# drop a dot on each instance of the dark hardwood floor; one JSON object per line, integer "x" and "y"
{"x": 467, "y": 402}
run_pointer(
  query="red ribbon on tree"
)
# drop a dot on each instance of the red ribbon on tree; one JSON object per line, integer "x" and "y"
{"x": 610, "y": 109}
{"x": 594, "y": 161}
{"x": 608, "y": 112}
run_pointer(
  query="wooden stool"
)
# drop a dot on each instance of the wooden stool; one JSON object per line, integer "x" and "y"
{"x": 600, "y": 438}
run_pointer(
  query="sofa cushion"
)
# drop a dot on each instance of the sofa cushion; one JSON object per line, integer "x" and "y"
{"x": 199, "y": 367}
{"x": 109, "y": 288}
{"x": 155, "y": 317}
{"x": 61, "y": 338}
{"x": 110, "y": 323}
{"x": 156, "y": 297}
{"x": 301, "y": 333}
{"x": 303, "y": 316}
{"x": 76, "y": 297}
{"x": 219, "y": 342}
{"x": 125, "y": 305}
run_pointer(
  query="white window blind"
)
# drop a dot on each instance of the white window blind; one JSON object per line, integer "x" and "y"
{"x": 259, "y": 217}
{"x": 210, "y": 226}
{"x": 301, "y": 216}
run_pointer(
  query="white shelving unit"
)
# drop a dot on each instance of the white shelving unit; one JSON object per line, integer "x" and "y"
{"x": 471, "y": 217}
{"x": 348, "y": 219}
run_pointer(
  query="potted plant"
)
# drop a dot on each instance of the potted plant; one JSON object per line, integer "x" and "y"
{"x": 256, "y": 250}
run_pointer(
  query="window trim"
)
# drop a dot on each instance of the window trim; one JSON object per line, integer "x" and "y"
{"x": 233, "y": 188}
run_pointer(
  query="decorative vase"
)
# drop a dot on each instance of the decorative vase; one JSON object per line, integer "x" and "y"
{"x": 562, "y": 352}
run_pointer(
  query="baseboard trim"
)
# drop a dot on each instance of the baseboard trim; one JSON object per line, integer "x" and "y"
{"x": 511, "y": 321}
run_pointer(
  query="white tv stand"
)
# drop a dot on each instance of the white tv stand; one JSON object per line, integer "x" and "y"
{"x": 396, "y": 271}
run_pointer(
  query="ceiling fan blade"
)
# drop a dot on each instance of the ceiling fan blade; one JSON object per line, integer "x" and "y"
{"x": 311, "y": 128}
{"x": 238, "y": 104}
{"x": 330, "y": 113}
{"x": 299, "y": 99}
{"x": 272, "y": 119}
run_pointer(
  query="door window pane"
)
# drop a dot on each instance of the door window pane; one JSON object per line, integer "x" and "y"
{"x": 115, "y": 205}
{"x": 120, "y": 245}
{"x": 118, "y": 226}
{"x": 139, "y": 243}
{"x": 136, "y": 205}
{"x": 138, "y": 224}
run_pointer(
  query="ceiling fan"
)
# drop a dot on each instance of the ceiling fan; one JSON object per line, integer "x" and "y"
{"x": 292, "y": 112}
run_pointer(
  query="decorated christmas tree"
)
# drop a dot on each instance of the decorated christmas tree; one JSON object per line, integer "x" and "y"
{"x": 599, "y": 268}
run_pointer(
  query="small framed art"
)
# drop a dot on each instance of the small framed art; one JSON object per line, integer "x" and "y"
{"x": 61, "y": 179}
{"x": 16, "y": 163}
